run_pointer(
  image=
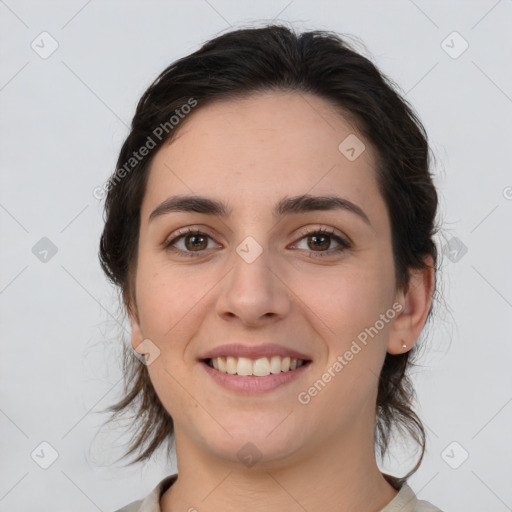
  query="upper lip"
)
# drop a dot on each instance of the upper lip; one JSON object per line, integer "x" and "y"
{"x": 254, "y": 351}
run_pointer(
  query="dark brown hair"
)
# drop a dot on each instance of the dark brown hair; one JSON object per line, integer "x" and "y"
{"x": 237, "y": 64}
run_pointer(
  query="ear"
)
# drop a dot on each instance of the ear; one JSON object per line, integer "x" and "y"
{"x": 415, "y": 302}
{"x": 136, "y": 331}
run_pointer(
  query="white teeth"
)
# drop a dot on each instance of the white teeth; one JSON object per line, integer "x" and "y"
{"x": 275, "y": 364}
{"x": 231, "y": 365}
{"x": 260, "y": 367}
{"x": 244, "y": 366}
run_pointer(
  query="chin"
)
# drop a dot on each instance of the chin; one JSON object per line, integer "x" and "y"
{"x": 256, "y": 442}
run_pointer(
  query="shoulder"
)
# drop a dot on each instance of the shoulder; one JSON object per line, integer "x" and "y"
{"x": 134, "y": 506}
{"x": 426, "y": 506}
{"x": 151, "y": 503}
{"x": 407, "y": 501}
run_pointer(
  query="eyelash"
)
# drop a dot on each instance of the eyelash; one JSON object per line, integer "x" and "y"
{"x": 343, "y": 243}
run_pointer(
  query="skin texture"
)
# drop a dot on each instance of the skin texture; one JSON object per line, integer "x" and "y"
{"x": 251, "y": 153}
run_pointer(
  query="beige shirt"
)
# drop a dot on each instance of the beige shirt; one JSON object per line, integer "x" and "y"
{"x": 404, "y": 501}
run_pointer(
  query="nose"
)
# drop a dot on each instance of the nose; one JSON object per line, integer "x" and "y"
{"x": 254, "y": 292}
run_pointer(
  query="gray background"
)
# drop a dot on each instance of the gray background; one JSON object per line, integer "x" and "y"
{"x": 63, "y": 119}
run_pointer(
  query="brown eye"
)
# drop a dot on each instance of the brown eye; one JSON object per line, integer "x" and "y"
{"x": 191, "y": 241}
{"x": 320, "y": 240}
{"x": 195, "y": 242}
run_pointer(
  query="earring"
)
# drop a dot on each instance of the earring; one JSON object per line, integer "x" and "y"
{"x": 404, "y": 346}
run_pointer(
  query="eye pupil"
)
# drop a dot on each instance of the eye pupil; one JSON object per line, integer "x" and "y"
{"x": 195, "y": 245}
{"x": 320, "y": 246}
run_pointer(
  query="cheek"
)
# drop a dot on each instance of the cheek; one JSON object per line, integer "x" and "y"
{"x": 350, "y": 298}
{"x": 347, "y": 305}
{"x": 169, "y": 301}
{"x": 167, "y": 298}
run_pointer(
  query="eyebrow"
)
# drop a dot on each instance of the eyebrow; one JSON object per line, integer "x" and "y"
{"x": 286, "y": 206}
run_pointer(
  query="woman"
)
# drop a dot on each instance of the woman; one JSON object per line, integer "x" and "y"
{"x": 270, "y": 226}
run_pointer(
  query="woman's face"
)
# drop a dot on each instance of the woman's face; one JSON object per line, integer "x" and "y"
{"x": 263, "y": 274}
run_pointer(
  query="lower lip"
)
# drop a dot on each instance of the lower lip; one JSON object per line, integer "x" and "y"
{"x": 251, "y": 384}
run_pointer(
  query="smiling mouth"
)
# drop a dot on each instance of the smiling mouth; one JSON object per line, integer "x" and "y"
{"x": 260, "y": 367}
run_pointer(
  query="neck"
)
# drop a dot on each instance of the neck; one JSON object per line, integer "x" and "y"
{"x": 334, "y": 476}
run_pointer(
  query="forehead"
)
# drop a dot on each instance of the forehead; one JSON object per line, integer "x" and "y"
{"x": 264, "y": 147}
